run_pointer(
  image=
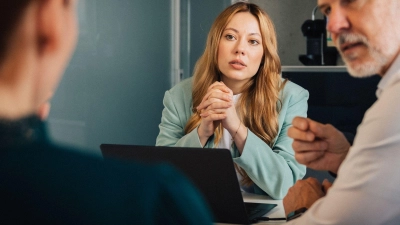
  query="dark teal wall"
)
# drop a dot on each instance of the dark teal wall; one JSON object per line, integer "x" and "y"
{"x": 113, "y": 88}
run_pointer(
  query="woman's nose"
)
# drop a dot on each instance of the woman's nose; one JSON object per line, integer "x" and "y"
{"x": 240, "y": 48}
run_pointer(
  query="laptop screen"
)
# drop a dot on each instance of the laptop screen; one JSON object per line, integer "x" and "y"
{"x": 211, "y": 170}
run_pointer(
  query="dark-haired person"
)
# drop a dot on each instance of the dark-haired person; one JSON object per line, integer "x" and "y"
{"x": 367, "y": 187}
{"x": 238, "y": 100}
{"x": 42, "y": 183}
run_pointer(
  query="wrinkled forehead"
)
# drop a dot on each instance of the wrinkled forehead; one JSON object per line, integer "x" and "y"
{"x": 360, "y": 5}
{"x": 324, "y": 2}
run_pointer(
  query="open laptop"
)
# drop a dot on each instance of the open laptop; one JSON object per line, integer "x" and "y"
{"x": 211, "y": 170}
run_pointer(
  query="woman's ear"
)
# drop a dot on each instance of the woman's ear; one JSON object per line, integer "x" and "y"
{"x": 49, "y": 25}
{"x": 44, "y": 111}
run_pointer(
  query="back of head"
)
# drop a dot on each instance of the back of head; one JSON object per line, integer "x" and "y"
{"x": 10, "y": 13}
{"x": 37, "y": 39}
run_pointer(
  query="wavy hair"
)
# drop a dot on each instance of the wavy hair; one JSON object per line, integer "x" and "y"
{"x": 258, "y": 106}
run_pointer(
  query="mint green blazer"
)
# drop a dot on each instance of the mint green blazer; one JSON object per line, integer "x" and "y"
{"x": 273, "y": 170}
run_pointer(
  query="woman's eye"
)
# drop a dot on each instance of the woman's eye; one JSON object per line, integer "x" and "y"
{"x": 254, "y": 42}
{"x": 230, "y": 37}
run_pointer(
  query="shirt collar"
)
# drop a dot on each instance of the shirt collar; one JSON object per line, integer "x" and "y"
{"x": 391, "y": 76}
{"x": 23, "y": 131}
{"x": 236, "y": 98}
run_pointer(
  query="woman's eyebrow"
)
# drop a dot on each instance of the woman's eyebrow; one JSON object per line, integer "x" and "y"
{"x": 257, "y": 34}
{"x": 236, "y": 31}
{"x": 232, "y": 29}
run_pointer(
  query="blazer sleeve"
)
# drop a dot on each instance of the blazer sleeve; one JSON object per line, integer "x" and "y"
{"x": 173, "y": 122}
{"x": 274, "y": 170}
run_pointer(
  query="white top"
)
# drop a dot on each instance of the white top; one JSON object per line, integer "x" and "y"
{"x": 367, "y": 189}
{"x": 226, "y": 142}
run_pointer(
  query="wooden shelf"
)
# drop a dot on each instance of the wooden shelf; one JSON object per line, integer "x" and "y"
{"x": 325, "y": 69}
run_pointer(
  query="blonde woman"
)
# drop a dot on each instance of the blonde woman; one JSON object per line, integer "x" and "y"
{"x": 238, "y": 100}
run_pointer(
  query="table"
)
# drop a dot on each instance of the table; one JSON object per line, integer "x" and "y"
{"x": 277, "y": 212}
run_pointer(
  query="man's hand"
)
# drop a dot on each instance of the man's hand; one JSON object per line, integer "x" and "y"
{"x": 318, "y": 146}
{"x": 304, "y": 193}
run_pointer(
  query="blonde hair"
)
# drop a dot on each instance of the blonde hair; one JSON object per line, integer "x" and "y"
{"x": 258, "y": 106}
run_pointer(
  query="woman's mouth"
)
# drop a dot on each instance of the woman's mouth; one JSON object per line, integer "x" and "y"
{"x": 237, "y": 64}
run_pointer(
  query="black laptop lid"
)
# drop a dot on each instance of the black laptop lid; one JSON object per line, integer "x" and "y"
{"x": 211, "y": 170}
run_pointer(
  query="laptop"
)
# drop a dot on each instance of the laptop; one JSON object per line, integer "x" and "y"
{"x": 211, "y": 170}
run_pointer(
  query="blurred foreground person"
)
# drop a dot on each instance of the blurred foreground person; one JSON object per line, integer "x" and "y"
{"x": 43, "y": 183}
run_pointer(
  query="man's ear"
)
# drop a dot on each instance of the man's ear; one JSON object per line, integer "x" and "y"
{"x": 49, "y": 25}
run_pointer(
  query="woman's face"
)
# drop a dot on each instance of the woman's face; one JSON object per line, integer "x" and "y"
{"x": 240, "y": 50}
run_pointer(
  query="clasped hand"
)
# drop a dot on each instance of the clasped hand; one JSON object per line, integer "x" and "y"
{"x": 318, "y": 146}
{"x": 217, "y": 107}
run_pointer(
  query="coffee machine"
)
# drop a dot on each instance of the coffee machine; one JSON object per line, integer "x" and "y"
{"x": 318, "y": 52}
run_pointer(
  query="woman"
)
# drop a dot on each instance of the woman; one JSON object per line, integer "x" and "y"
{"x": 238, "y": 100}
{"x": 44, "y": 183}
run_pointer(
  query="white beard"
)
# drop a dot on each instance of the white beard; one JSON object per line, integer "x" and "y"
{"x": 368, "y": 68}
{"x": 373, "y": 61}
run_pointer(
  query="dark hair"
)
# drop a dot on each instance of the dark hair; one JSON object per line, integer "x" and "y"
{"x": 11, "y": 12}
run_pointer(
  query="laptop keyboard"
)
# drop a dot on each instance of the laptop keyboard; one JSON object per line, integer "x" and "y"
{"x": 255, "y": 210}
